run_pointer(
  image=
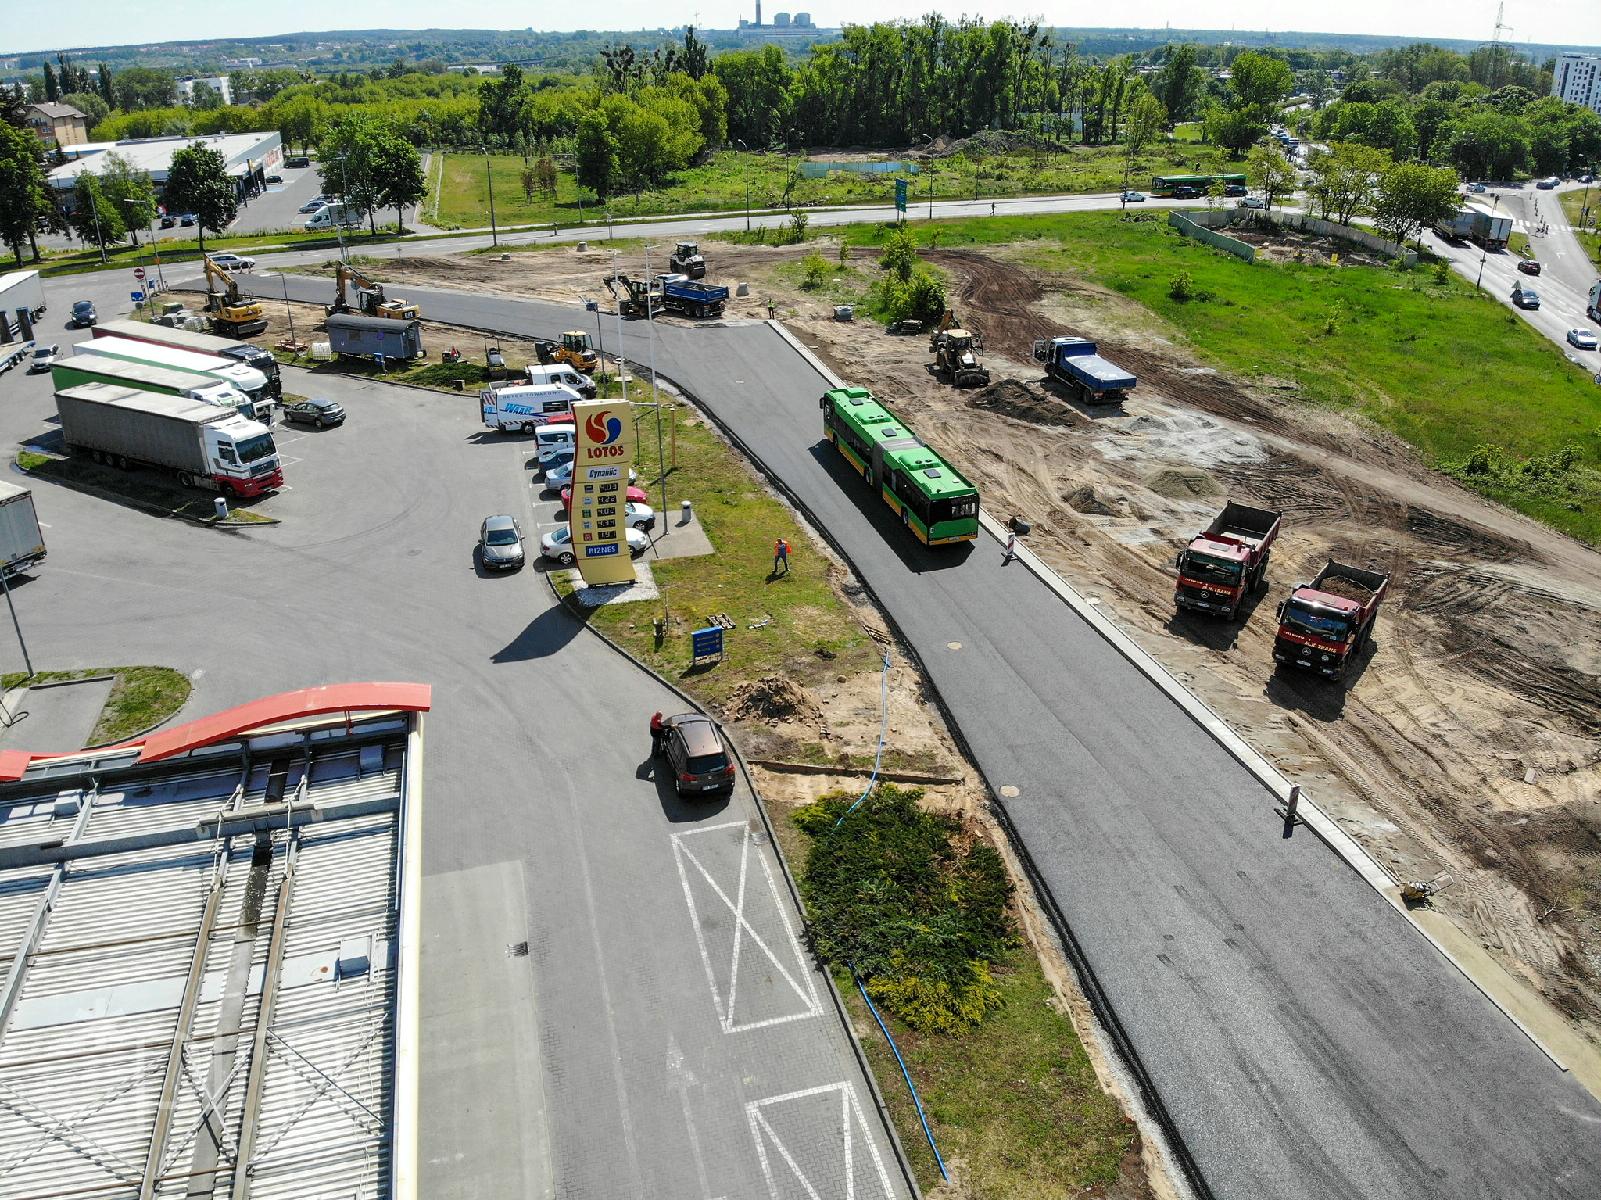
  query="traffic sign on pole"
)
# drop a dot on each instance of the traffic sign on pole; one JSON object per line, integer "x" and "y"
{"x": 138, "y": 272}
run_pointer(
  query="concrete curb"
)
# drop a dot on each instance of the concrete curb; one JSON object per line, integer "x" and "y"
{"x": 1320, "y": 823}
{"x": 792, "y": 768}
{"x": 857, "y": 1049}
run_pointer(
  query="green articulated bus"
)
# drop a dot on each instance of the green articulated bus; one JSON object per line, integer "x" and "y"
{"x": 1168, "y": 185}
{"x": 933, "y": 498}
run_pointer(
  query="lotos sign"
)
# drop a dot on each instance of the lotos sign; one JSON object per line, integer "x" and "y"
{"x": 598, "y": 513}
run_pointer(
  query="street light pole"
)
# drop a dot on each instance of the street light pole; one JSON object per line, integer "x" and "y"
{"x": 746, "y": 149}
{"x": 1484, "y": 251}
{"x": 344, "y": 203}
{"x": 655, "y": 397}
{"x": 494, "y": 235}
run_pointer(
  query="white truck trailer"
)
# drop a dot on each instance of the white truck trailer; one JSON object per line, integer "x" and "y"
{"x": 21, "y": 540}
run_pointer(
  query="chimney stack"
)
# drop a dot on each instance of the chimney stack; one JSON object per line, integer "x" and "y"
{"x": 758, "y": 13}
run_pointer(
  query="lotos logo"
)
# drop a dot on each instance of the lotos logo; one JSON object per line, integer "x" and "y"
{"x": 602, "y": 428}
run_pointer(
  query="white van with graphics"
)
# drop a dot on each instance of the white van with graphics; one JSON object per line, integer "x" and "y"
{"x": 525, "y": 407}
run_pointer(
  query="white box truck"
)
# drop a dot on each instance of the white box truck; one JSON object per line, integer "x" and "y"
{"x": 206, "y": 447}
{"x": 21, "y": 541}
{"x": 523, "y": 408}
{"x": 224, "y": 370}
{"x": 336, "y": 216}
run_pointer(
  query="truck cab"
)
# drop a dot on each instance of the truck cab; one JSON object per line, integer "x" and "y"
{"x": 242, "y": 457}
{"x": 1325, "y": 623}
{"x": 1212, "y": 575}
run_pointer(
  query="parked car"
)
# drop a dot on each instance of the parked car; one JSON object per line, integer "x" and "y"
{"x": 1134, "y": 197}
{"x": 314, "y": 411}
{"x": 44, "y": 357}
{"x": 1586, "y": 178}
{"x": 1235, "y": 189}
{"x": 186, "y": 220}
{"x": 168, "y": 220}
{"x": 233, "y": 262}
{"x": 1476, "y": 188}
{"x": 1525, "y": 297}
{"x": 275, "y": 179}
{"x": 1548, "y": 183}
{"x": 500, "y": 543}
{"x": 558, "y": 544}
{"x": 559, "y": 474}
{"x": 693, "y": 747}
{"x": 83, "y": 314}
{"x": 1581, "y": 339}
{"x": 1186, "y": 193}
{"x": 312, "y": 205}
{"x": 297, "y": 160}
{"x": 635, "y": 496}
{"x": 1252, "y": 202}
{"x": 1529, "y": 266}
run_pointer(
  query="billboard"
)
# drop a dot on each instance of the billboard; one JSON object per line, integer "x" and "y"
{"x": 598, "y": 514}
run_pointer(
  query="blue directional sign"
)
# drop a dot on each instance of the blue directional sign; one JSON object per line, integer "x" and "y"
{"x": 900, "y": 195}
{"x": 707, "y": 643}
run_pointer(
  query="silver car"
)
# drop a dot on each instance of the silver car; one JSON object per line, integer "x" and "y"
{"x": 500, "y": 543}
{"x": 44, "y": 357}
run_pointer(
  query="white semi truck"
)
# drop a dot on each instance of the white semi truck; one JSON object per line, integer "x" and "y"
{"x": 21, "y": 540}
{"x": 224, "y": 370}
{"x": 205, "y": 446}
{"x": 21, "y": 304}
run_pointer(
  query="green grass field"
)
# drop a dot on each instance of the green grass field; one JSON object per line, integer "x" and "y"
{"x": 1420, "y": 354}
{"x": 720, "y": 184}
{"x": 1574, "y": 209}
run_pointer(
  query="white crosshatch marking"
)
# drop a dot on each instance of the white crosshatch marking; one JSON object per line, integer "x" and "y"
{"x": 796, "y": 974}
{"x": 852, "y": 1128}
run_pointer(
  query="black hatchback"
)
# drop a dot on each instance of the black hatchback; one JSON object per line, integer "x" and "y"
{"x": 693, "y": 747}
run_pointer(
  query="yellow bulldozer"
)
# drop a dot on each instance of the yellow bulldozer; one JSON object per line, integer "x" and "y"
{"x": 370, "y": 299}
{"x": 574, "y": 349}
{"x": 956, "y": 358}
{"x": 232, "y": 315}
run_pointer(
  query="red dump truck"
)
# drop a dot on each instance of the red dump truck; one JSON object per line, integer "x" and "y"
{"x": 1227, "y": 560}
{"x": 1324, "y": 624}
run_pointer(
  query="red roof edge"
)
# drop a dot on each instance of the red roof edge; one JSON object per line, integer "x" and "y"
{"x": 269, "y": 710}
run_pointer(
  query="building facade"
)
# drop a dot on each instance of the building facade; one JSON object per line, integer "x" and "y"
{"x": 58, "y": 124}
{"x": 217, "y": 83}
{"x": 1577, "y": 79}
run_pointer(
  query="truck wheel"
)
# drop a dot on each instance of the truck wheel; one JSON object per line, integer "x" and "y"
{"x": 185, "y": 479}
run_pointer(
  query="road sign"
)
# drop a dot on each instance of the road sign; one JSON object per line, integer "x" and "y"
{"x": 706, "y": 643}
{"x": 138, "y": 272}
{"x": 900, "y": 195}
{"x": 137, "y": 297}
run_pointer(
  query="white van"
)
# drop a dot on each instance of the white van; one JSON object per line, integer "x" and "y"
{"x": 525, "y": 408}
{"x": 335, "y": 215}
{"x": 555, "y": 442}
{"x": 563, "y": 374}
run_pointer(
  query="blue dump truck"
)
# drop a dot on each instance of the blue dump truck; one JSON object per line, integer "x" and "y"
{"x": 681, "y": 294}
{"x": 1073, "y": 362}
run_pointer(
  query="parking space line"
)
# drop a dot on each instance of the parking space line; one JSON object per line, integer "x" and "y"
{"x": 805, "y": 987}
{"x": 853, "y": 1125}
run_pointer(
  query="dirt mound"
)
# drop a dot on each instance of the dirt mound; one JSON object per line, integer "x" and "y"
{"x": 1183, "y": 483}
{"x": 1086, "y": 499}
{"x": 1013, "y": 398}
{"x": 1349, "y": 589}
{"x": 771, "y": 699}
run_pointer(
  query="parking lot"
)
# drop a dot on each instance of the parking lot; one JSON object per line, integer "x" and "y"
{"x": 616, "y": 1001}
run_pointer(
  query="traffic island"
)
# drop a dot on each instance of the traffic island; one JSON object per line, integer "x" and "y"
{"x": 65, "y": 711}
{"x": 136, "y": 490}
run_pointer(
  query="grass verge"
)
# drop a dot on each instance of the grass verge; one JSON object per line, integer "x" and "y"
{"x": 1418, "y": 352}
{"x": 141, "y": 697}
{"x": 1586, "y": 225}
{"x": 1009, "y": 1091}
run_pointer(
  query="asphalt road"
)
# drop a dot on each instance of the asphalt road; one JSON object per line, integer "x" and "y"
{"x": 1307, "y": 1040}
{"x": 614, "y": 1003}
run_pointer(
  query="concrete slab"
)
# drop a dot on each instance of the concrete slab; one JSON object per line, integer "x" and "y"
{"x": 482, "y": 1083}
{"x": 55, "y": 718}
{"x": 681, "y": 536}
{"x": 643, "y": 588}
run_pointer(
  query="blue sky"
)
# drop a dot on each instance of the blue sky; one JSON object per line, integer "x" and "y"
{"x": 26, "y": 25}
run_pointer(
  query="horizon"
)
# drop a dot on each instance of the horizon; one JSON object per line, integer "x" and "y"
{"x": 130, "y": 24}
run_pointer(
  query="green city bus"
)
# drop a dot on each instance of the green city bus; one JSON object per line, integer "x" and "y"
{"x": 1167, "y": 185}
{"x": 933, "y": 498}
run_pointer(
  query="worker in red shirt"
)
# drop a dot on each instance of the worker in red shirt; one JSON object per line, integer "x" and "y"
{"x": 656, "y": 735}
{"x": 780, "y": 556}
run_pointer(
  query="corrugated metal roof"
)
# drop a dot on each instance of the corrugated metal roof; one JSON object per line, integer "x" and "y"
{"x": 292, "y": 909}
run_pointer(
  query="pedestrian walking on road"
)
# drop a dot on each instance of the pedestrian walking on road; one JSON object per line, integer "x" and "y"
{"x": 1011, "y": 548}
{"x": 992, "y": 208}
{"x": 780, "y": 557}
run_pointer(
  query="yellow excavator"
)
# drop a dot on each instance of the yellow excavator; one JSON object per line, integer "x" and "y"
{"x": 369, "y": 297}
{"x": 231, "y": 314}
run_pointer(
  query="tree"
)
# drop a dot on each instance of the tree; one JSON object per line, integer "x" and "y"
{"x": 1234, "y": 129}
{"x": 1485, "y": 144}
{"x": 397, "y": 171}
{"x": 1146, "y": 118}
{"x": 129, "y": 190}
{"x": 52, "y": 91}
{"x": 198, "y": 182}
{"x": 93, "y": 108}
{"x": 94, "y": 216}
{"x": 596, "y": 154}
{"x": 352, "y": 153}
{"x": 204, "y": 97}
{"x": 1410, "y": 196}
{"x": 1271, "y": 172}
{"x": 24, "y": 201}
{"x": 1180, "y": 84}
{"x": 1343, "y": 179}
{"x": 694, "y": 60}
{"x": 144, "y": 87}
{"x": 1259, "y": 83}
{"x": 103, "y": 85}
{"x": 757, "y": 84}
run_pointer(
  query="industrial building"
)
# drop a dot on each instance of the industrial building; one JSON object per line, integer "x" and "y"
{"x": 250, "y": 158}
{"x": 1577, "y": 79}
{"x": 208, "y": 956}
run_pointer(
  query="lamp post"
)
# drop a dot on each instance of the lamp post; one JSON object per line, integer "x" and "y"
{"x": 1484, "y": 251}
{"x": 94, "y": 211}
{"x": 344, "y": 201}
{"x": 655, "y": 397}
{"x": 489, "y": 175}
{"x": 746, "y": 149}
{"x": 146, "y": 285}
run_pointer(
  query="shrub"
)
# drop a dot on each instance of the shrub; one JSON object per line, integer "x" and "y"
{"x": 816, "y": 271}
{"x": 1182, "y": 287}
{"x": 891, "y": 893}
{"x": 797, "y": 227}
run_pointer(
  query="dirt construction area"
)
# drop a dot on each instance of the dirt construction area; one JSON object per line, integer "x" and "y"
{"x": 1465, "y": 747}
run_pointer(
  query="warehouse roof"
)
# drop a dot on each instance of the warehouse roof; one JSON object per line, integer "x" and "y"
{"x": 240, "y": 151}
{"x": 207, "y": 962}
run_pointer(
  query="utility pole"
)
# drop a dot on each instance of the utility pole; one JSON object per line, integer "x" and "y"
{"x": 655, "y": 397}
{"x": 494, "y": 236}
{"x": 10, "y": 603}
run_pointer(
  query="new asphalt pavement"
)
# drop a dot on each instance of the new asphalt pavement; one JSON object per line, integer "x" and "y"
{"x": 1306, "y": 1040}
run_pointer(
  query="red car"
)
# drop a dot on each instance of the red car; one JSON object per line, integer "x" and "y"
{"x": 635, "y": 496}
{"x": 1529, "y": 266}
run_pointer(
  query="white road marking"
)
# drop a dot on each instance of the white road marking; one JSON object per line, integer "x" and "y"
{"x": 851, "y": 1122}
{"x": 742, "y": 926}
